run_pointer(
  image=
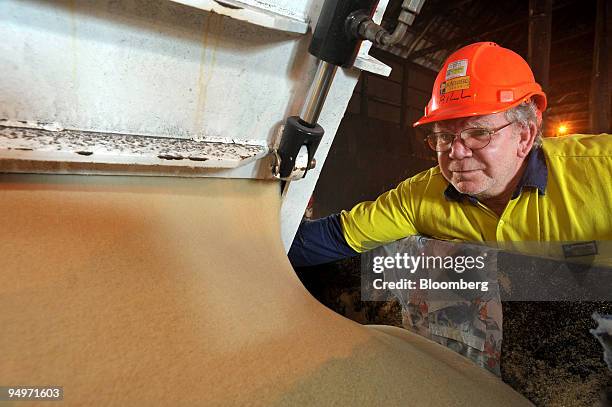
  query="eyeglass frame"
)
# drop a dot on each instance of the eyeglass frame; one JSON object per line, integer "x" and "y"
{"x": 489, "y": 133}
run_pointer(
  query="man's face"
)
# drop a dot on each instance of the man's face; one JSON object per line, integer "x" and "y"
{"x": 485, "y": 172}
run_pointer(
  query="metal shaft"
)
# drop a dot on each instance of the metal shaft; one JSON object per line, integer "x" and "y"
{"x": 318, "y": 92}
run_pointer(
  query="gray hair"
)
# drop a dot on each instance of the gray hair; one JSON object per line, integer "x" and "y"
{"x": 525, "y": 113}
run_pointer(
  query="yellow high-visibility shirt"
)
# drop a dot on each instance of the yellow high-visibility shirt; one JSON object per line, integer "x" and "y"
{"x": 576, "y": 206}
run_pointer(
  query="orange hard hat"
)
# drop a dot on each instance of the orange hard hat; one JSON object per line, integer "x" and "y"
{"x": 481, "y": 78}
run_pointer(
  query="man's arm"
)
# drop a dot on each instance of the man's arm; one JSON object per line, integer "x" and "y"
{"x": 367, "y": 225}
{"x": 374, "y": 223}
{"x": 319, "y": 241}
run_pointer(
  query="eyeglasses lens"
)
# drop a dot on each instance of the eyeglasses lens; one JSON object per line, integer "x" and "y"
{"x": 475, "y": 138}
{"x": 472, "y": 138}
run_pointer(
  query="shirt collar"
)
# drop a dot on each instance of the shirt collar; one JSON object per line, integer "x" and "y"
{"x": 535, "y": 176}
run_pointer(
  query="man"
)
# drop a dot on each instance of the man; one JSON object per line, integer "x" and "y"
{"x": 496, "y": 180}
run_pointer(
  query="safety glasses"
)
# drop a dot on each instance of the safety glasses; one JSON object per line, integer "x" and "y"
{"x": 473, "y": 138}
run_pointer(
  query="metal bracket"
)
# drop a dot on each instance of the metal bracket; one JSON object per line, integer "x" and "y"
{"x": 39, "y": 150}
{"x": 302, "y": 165}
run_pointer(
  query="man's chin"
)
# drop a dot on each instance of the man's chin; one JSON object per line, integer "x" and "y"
{"x": 468, "y": 187}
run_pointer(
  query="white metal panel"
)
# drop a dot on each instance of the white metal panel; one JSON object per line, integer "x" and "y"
{"x": 150, "y": 68}
{"x": 255, "y": 12}
{"x": 289, "y": 8}
{"x": 158, "y": 68}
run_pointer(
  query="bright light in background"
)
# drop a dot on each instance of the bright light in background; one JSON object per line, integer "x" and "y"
{"x": 562, "y": 130}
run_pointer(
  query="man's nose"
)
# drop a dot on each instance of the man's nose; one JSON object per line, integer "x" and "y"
{"x": 458, "y": 149}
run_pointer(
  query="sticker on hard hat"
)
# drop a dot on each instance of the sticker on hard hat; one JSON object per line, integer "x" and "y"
{"x": 455, "y": 84}
{"x": 456, "y": 69}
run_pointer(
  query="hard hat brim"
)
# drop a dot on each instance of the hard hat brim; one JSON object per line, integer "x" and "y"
{"x": 463, "y": 111}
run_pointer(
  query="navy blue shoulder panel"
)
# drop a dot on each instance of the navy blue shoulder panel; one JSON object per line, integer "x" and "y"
{"x": 319, "y": 241}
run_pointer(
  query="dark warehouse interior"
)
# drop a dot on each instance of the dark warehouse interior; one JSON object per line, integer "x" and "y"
{"x": 548, "y": 354}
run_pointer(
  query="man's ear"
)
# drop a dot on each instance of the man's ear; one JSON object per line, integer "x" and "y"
{"x": 527, "y": 136}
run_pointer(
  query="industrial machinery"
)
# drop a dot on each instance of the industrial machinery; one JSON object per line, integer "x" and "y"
{"x": 153, "y": 114}
{"x": 133, "y": 273}
{"x": 336, "y": 39}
